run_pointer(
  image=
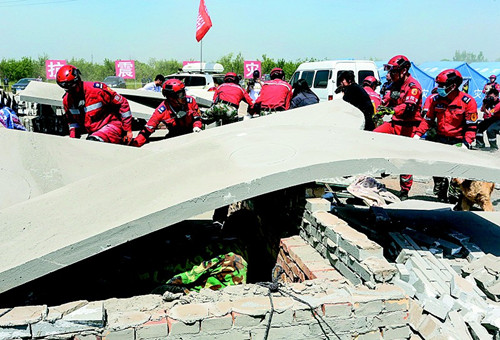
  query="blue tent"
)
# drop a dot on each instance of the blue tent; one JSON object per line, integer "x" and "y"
{"x": 487, "y": 69}
{"x": 426, "y": 81}
{"x": 475, "y": 79}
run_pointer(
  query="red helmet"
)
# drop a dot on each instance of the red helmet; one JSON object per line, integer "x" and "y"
{"x": 68, "y": 77}
{"x": 371, "y": 81}
{"x": 172, "y": 88}
{"x": 448, "y": 77}
{"x": 277, "y": 73}
{"x": 493, "y": 77}
{"x": 231, "y": 77}
{"x": 397, "y": 63}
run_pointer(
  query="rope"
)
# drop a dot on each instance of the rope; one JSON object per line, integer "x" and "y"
{"x": 274, "y": 287}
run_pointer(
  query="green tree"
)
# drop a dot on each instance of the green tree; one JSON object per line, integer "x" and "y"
{"x": 469, "y": 57}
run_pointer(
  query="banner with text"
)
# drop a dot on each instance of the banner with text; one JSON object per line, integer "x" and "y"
{"x": 52, "y": 66}
{"x": 125, "y": 69}
{"x": 249, "y": 67}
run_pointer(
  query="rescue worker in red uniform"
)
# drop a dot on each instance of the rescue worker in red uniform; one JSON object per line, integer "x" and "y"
{"x": 491, "y": 122}
{"x": 403, "y": 100}
{"x": 180, "y": 113}
{"x": 370, "y": 83}
{"x": 275, "y": 94}
{"x": 226, "y": 101}
{"x": 95, "y": 108}
{"x": 455, "y": 113}
{"x": 491, "y": 84}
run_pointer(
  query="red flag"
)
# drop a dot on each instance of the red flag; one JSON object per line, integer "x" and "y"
{"x": 203, "y": 22}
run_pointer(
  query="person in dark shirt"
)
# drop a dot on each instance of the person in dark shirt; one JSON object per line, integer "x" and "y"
{"x": 357, "y": 96}
{"x": 302, "y": 95}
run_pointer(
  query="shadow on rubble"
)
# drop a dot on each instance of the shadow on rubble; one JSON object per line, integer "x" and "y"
{"x": 139, "y": 266}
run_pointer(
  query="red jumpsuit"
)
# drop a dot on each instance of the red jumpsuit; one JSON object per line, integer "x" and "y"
{"x": 276, "y": 95}
{"x": 456, "y": 118}
{"x": 488, "y": 86}
{"x": 176, "y": 126}
{"x": 103, "y": 113}
{"x": 232, "y": 94}
{"x": 374, "y": 96}
{"x": 406, "y": 102}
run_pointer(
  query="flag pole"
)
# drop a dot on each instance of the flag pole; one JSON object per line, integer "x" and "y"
{"x": 201, "y": 54}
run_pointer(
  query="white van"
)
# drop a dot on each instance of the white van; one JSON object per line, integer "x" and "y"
{"x": 322, "y": 75}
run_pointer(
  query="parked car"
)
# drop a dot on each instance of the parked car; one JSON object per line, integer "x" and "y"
{"x": 21, "y": 84}
{"x": 322, "y": 76}
{"x": 198, "y": 80}
{"x": 114, "y": 81}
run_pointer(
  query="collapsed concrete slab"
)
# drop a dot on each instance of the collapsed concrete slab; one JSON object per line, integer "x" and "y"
{"x": 188, "y": 175}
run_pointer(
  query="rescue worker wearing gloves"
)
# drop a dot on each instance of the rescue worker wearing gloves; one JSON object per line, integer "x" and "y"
{"x": 180, "y": 113}
{"x": 491, "y": 122}
{"x": 226, "y": 101}
{"x": 492, "y": 84}
{"x": 94, "y": 107}
{"x": 370, "y": 83}
{"x": 403, "y": 101}
{"x": 455, "y": 113}
{"x": 275, "y": 95}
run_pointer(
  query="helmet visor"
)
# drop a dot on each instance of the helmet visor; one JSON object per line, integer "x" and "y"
{"x": 67, "y": 85}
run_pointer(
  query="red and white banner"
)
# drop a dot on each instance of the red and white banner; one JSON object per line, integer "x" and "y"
{"x": 203, "y": 22}
{"x": 52, "y": 66}
{"x": 249, "y": 66}
{"x": 187, "y": 62}
{"x": 125, "y": 69}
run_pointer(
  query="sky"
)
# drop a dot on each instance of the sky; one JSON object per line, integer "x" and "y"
{"x": 323, "y": 29}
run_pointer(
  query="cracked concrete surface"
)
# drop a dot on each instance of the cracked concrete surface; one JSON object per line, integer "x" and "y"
{"x": 142, "y": 190}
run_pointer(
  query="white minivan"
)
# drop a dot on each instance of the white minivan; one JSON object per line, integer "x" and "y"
{"x": 321, "y": 76}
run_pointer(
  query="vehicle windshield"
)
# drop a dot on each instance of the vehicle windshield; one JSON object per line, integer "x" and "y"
{"x": 111, "y": 79}
{"x": 24, "y": 81}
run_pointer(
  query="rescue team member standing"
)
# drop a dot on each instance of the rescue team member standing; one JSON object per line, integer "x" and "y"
{"x": 456, "y": 115}
{"x": 492, "y": 84}
{"x": 226, "y": 101}
{"x": 275, "y": 95}
{"x": 180, "y": 113}
{"x": 93, "y": 106}
{"x": 370, "y": 83}
{"x": 404, "y": 100}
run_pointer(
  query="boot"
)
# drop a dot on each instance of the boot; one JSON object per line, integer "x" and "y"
{"x": 480, "y": 142}
{"x": 493, "y": 145}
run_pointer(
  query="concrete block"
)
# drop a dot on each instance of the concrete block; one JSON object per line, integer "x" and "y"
{"x": 393, "y": 333}
{"x": 484, "y": 279}
{"x": 360, "y": 269}
{"x": 343, "y": 325}
{"x": 357, "y": 244}
{"x": 400, "y": 241}
{"x": 282, "y": 319}
{"x": 477, "y": 331}
{"x": 45, "y": 329}
{"x": 380, "y": 268}
{"x": 430, "y": 327}
{"x": 337, "y": 310}
{"x": 332, "y": 238}
{"x": 15, "y": 332}
{"x": 157, "y": 329}
{"x": 242, "y": 320}
{"x": 301, "y": 314}
{"x": 126, "y": 319}
{"x": 404, "y": 274}
{"x": 176, "y": 327}
{"x": 393, "y": 319}
{"x": 124, "y": 334}
{"x": 216, "y": 324}
{"x": 347, "y": 273}
{"x": 461, "y": 289}
{"x": 408, "y": 288}
{"x": 287, "y": 333}
{"x": 423, "y": 285}
{"x": 415, "y": 315}
{"x": 449, "y": 248}
{"x": 368, "y": 308}
{"x": 438, "y": 307}
{"x": 91, "y": 314}
{"x": 458, "y": 236}
{"x": 459, "y": 326}
{"x": 19, "y": 316}
{"x": 492, "y": 320}
{"x": 58, "y": 312}
{"x": 317, "y": 204}
{"x": 373, "y": 335}
{"x": 473, "y": 251}
{"x": 394, "y": 305}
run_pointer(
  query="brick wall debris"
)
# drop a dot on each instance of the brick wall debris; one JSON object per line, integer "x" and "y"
{"x": 241, "y": 312}
{"x": 355, "y": 256}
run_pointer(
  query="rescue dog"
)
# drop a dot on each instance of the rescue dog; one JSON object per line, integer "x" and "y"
{"x": 474, "y": 192}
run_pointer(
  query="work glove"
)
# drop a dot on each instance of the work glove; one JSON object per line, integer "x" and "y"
{"x": 128, "y": 138}
{"x": 384, "y": 110}
{"x": 196, "y": 129}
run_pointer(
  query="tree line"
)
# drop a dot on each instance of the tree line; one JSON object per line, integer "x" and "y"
{"x": 15, "y": 69}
